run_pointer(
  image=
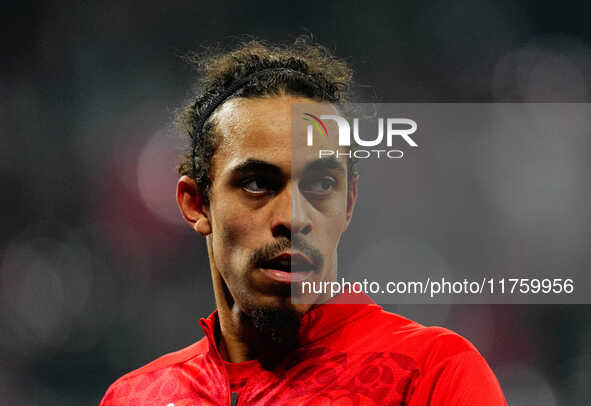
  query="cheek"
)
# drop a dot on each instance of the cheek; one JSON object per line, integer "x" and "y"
{"x": 329, "y": 231}
{"x": 232, "y": 238}
{"x": 335, "y": 218}
{"x": 226, "y": 233}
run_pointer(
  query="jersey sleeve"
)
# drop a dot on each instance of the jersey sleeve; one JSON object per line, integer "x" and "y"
{"x": 464, "y": 379}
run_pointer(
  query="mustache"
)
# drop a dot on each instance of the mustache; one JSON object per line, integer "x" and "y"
{"x": 265, "y": 254}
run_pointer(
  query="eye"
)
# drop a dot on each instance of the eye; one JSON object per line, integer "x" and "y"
{"x": 319, "y": 186}
{"x": 256, "y": 186}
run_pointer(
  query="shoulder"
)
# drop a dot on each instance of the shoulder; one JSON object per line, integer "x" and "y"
{"x": 164, "y": 369}
{"x": 422, "y": 343}
{"x": 450, "y": 370}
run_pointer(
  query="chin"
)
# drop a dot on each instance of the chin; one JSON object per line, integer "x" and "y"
{"x": 272, "y": 302}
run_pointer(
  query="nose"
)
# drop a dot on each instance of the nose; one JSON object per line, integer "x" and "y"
{"x": 290, "y": 214}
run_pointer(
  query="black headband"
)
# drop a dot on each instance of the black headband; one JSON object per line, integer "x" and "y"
{"x": 219, "y": 99}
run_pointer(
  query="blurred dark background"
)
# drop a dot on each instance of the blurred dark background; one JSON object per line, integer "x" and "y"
{"x": 98, "y": 275}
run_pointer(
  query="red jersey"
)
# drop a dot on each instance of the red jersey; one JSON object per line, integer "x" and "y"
{"x": 349, "y": 354}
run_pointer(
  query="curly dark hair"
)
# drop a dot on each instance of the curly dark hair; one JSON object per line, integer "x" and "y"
{"x": 303, "y": 69}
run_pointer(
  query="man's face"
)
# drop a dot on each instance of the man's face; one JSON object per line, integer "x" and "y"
{"x": 276, "y": 211}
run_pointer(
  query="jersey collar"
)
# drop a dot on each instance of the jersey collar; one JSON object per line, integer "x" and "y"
{"x": 323, "y": 320}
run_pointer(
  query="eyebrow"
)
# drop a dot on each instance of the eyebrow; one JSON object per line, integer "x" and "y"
{"x": 325, "y": 163}
{"x": 256, "y": 165}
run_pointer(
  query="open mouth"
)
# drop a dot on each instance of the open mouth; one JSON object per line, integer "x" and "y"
{"x": 288, "y": 267}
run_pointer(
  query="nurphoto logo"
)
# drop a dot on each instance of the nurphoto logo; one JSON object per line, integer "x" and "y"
{"x": 387, "y": 130}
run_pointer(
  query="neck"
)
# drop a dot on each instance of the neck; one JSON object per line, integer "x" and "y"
{"x": 232, "y": 346}
{"x": 266, "y": 335}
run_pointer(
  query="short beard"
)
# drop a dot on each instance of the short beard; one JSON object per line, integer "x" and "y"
{"x": 276, "y": 334}
{"x": 272, "y": 332}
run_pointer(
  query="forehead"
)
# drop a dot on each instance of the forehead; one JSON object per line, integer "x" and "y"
{"x": 262, "y": 129}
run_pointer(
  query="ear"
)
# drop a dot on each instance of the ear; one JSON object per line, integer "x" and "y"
{"x": 351, "y": 198}
{"x": 191, "y": 205}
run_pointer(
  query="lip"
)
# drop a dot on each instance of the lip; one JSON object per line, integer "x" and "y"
{"x": 280, "y": 276}
{"x": 293, "y": 257}
{"x": 285, "y": 277}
